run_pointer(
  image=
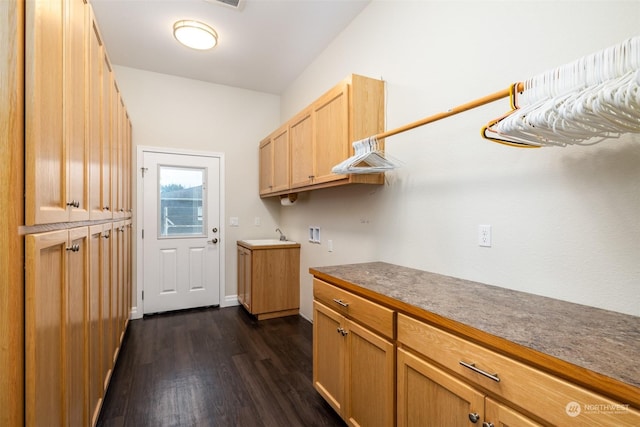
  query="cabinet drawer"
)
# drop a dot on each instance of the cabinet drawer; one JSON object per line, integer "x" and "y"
{"x": 368, "y": 313}
{"x": 555, "y": 400}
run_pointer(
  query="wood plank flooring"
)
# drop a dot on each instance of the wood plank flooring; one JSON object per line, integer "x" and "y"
{"x": 215, "y": 367}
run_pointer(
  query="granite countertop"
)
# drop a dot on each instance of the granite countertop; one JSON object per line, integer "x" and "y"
{"x": 605, "y": 342}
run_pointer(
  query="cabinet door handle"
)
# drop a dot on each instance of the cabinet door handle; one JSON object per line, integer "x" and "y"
{"x": 342, "y": 331}
{"x": 342, "y": 303}
{"x": 486, "y": 424}
{"x": 473, "y": 367}
{"x": 474, "y": 417}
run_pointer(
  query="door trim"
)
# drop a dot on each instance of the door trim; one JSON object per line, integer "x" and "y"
{"x": 138, "y": 310}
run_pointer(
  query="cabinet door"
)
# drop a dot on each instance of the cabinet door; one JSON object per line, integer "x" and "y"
{"x": 370, "y": 378}
{"x": 75, "y": 111}
{"x": 329, "y": 356}
{"x": 427, "y": 396}
{"x": 76, "y": 328}
{"x": 331, "y": 133}
{"x": 244, "y": 277}
{"x": 94, "y": 112}
{"x": 498, "y": 415}
{"x": 116, "y": 153}
{"x": 266, "y": 166}
{"x": 281, "y": 160}
{"x": 117, "y": 279}
{"x": 94, "y": 346}
{"x": 106, "y": 320}
{"x": 301, "y": 142}
{"x": 45, "y": 156}
{"x": 44, "y": 328}
{"x": 107, "y": 89}
{"x": 275, "y": 280}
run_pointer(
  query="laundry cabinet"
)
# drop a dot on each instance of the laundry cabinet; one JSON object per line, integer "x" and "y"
{"x": 269, "y": 277}
{"x": 55, "y": 333}
{"x": 274, "y": 162}
{"x": 354, "y": 355}
{"x": 463, "y": 382}
{"x": 300, "y": 154}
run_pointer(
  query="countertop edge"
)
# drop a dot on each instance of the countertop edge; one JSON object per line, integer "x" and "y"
{"x": 600, "y": 383}
{"x": 268, "y": 246}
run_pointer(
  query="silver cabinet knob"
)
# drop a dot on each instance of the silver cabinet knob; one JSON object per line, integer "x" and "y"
{"x": 486, "y": 424}
{"x": 474, "y": 417}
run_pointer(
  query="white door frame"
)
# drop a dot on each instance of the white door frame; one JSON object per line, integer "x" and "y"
{"x": 138, "y": 311}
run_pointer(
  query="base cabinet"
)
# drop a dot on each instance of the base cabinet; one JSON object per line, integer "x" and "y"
{"x": 353, "y": 366}
{"x": 452, "y": 370}
{"x": 378, "y": 363}
{"x": 55, "y": 333}
{"x": 269, "y": 278}
{"x": 429, "y": 396}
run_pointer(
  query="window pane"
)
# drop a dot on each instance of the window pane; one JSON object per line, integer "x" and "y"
{"x": 181, "y": 197}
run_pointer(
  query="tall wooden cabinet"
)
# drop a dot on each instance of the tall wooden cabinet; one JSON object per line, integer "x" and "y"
{"x": 77, "y": 209}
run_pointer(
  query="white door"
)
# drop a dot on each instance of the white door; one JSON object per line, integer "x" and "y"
{"x": 181, "y": 223}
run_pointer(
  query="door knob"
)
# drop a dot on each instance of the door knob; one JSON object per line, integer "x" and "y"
{"x": 214, "y": 241}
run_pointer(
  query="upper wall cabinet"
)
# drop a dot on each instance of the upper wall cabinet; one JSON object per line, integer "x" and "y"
{"x": 274, "y": 162}
{"x": 77, "y": 130}
{"x": 56, "y": 171}
{"x": 320, "y": 136}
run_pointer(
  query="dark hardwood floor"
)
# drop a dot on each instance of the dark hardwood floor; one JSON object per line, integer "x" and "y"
{"x": 215, "y": 367}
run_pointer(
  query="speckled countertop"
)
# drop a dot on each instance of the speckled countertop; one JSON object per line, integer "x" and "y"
{"x": 602, "y": 341}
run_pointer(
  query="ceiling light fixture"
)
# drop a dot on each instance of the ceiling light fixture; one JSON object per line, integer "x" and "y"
{"x": 195, "y": 35}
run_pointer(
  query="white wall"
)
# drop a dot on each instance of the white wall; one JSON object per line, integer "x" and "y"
{"x": 168, "y": 111}
{"x": 566, "y": 221}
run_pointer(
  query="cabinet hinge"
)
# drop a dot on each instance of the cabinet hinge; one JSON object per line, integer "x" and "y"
{"x": 142, "y": 295}
{"x": 143, "y": 233}
{"x": 143, "y": 170}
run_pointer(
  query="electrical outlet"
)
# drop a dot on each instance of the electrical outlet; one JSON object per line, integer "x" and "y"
{"x": 484, "y": 235}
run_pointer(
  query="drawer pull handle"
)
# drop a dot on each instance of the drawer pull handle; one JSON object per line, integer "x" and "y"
{"x": 472, "y": 366}
{"x": 342, "y": 303}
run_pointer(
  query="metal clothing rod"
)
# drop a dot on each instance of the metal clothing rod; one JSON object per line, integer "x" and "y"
{"x": 505, "y": 93}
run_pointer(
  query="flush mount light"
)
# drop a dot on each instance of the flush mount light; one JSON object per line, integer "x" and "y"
{"x": 195, "y": 35}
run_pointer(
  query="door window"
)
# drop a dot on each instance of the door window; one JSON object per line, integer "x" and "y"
{"x": 182, "y": 210}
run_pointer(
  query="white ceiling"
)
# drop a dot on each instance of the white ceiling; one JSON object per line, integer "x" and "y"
{"x": 264, "y": 45}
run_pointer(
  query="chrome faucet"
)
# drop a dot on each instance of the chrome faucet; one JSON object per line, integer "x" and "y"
{"x": 282, "y": 236}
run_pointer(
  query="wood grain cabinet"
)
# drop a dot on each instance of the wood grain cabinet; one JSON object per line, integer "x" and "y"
{"x": 77, "y": 150}
{"x": 354, "y": 356}
{"x": 269, "y": 278}
{"x": 57, "y": 176}
{"x": 274, "y": 162}
{"x": 321, "y": 136}
{"x": 444, "y": 379}
{"x": 55, "y": 333}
